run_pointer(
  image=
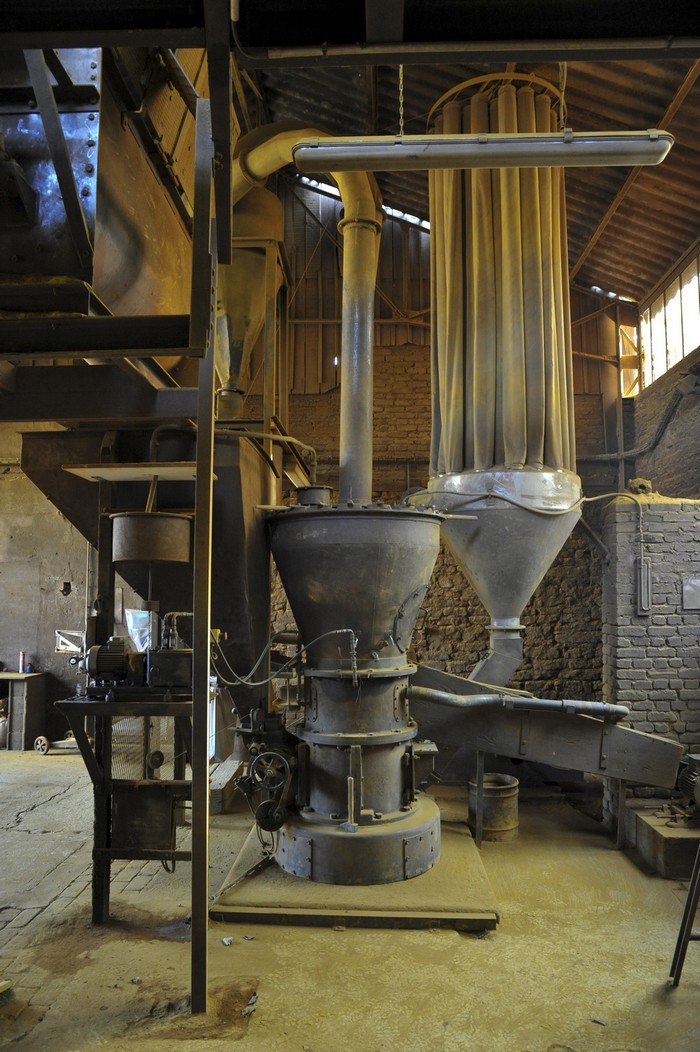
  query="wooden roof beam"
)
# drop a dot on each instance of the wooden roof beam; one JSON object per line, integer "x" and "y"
{"x": 677, "y": 101}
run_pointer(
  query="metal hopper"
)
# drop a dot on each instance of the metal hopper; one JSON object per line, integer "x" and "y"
{"x": 503, "y": 448}
{"x": 505, "y": 529}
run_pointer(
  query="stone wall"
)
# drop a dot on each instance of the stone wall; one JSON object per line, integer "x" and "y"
{"x": 39, "y": 551}
{"x": 562, "y": 643}
{"x": 562, "y": 650}
{"x": 651, "y": 661}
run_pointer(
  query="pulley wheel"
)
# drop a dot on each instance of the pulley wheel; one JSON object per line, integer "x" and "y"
{"x": 269, "y": 770}
{"x": 270, "y": 815}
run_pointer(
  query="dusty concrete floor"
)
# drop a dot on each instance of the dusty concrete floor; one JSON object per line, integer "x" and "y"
{"x": 579, "y": 961}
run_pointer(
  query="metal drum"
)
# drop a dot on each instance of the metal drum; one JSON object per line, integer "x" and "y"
{"x": 500, "y": 807}
{"x": 155, "y": 536}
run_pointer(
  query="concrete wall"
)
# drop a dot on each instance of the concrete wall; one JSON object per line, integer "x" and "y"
{"x": 39, "y": 551}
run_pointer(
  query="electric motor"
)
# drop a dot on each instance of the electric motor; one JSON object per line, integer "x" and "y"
{"x": 114, "y": 662}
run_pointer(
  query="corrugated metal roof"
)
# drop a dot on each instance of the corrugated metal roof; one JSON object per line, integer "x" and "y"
{"x": 657, "y": 216}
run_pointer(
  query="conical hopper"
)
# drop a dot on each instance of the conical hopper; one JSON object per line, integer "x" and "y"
{"x": 514, "y": 525}
{"x": 365, "y": 568}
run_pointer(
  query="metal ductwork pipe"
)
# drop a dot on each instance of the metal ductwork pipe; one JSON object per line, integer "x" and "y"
{"x": 518, "y": 703}
{"x": 263, "y": 152}
{"x": 357, "y": 355}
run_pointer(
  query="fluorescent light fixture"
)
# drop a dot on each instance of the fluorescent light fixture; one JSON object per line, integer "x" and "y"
{"x": 566, "y": 149}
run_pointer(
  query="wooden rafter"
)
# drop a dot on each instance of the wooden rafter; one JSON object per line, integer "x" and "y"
{"x": 677, "y": 101}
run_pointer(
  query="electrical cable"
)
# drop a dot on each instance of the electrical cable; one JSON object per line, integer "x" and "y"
{"x": 474, "y": 498}
{"x": 246, "y": 681}
{"x": 640, "y": 508}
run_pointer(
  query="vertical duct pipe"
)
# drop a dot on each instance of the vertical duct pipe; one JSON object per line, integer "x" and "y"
{"x": 357, "y": 346}
{"x": 259, "y": 155}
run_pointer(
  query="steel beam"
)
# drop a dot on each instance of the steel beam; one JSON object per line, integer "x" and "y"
{"x": 270, "y": 353}
{"x": 57, "y": 68}
{"x": 467, "y": 52}
{"x": 60, "y": 156}
{"x": 180, "y": 23}
{"x": 89, "y": 394}
{"x": 142, "y": 336}
{"x": 70, "y": 295}
{"x": 283, "y": 384}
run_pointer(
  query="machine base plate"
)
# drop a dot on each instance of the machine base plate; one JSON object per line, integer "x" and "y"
{"x": 453, "y": 894}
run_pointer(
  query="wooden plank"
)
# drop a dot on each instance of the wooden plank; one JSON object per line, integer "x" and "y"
{"x": 471, "y": 920}
{"x": 135, "y": 472}
{"x": 222, "y": 786}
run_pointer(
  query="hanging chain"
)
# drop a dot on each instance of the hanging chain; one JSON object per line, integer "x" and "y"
{"x": 562, "y": 90}
{"x": 401, "y": 101}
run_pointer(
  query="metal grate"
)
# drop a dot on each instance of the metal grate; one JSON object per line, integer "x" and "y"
{"x": 134, "y": 738}
{"x": 129, "y": 746}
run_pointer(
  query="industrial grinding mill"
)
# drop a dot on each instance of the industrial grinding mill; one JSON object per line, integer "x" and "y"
{"x": 341, "y": 784}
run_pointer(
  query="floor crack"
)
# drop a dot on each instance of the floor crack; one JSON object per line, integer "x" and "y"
{"x": 20, "y": 815}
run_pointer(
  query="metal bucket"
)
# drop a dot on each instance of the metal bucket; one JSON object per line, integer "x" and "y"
{"x": 500, "y": 807}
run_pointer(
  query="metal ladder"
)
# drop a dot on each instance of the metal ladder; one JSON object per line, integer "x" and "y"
{"x": 686, "y": 933}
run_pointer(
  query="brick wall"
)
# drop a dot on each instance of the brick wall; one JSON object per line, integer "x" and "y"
{"x": 651, "y": 661}
{"x": 563, "y": 637}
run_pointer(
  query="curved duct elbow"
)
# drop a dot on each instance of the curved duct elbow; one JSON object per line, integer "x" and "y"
{"x": 258, "y": 155}
{"x": 269, "y": 148}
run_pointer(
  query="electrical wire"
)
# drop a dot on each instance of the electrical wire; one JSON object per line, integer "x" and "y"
{"x": 640, "y": 509}
{"x": 508, "y": 500}
{"x": 246, "y": 681}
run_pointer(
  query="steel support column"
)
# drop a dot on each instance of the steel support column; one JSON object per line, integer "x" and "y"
{"x": 270, "y": 354}
{"x": 202, "y": 571}
{"x": 283, "y": 357}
